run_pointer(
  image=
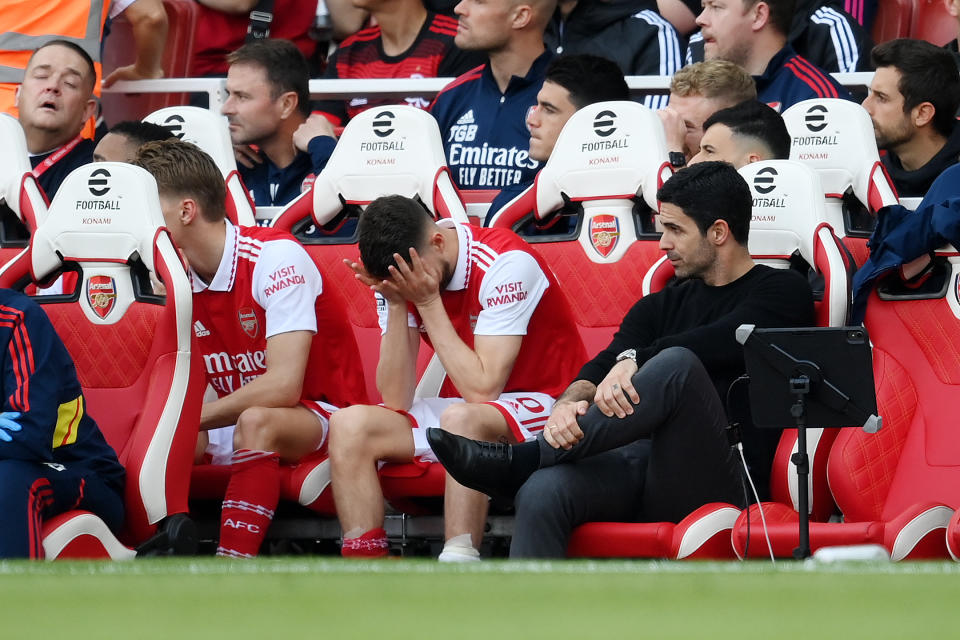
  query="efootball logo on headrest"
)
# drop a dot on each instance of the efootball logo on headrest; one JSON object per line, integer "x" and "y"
{"x": 383, "y": 124}
{"x": 763, "y": 181}
{"x": 816, "y": 118}
{"x": 603, "y": 123}
{"x": 174, "y": 124}
{"x": 97, "y": 182}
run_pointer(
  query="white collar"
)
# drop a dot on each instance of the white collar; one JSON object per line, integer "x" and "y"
{"x": 227, "y": 270}
{"x": 461, "y": 274}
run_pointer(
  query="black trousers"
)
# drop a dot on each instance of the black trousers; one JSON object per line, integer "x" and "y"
{"x": 667, "y": 459}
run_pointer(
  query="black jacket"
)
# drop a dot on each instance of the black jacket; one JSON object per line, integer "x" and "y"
{"x": 917, "y": 183}
{"x": 629, "y": 32}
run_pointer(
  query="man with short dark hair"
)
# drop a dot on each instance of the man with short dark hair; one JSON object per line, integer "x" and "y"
{"x": 120, "y": 144}
{"x": 913, "y": 100}
{"x": 640, "y": 434}
{"x": 570, "y": 83}
{"x": 482, "y": 114}
{"x": 268, "y": 105}
{"x": 753, "y": 34}
{"x": 279, "y": 356}
{"x": 55, "y": 100}
{"x": 497, "y": 319}
{"x": 744, "y": 133}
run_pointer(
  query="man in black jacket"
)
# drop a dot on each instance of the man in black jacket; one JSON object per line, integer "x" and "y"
{"x": 913, "y": 98}
{"x": 628, "y": 32}
{"x": 640, "y": 434}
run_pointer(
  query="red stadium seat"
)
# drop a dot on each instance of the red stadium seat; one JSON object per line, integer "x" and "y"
{"x": 835, "y": 138}
{"x": 953, "y": 536}
{"x": 898, "y": 487}
{"x": 892, "y": 20}
{"x": 119, "y": 50}
{"x": 477, "y": 202}
{"x": 390, "y": 150}
{"x": 209, "y": 131}
{"x": 18, "y": 190}
{"x": 131, "y": 347}
{"x": 606, "y": 166}
{"x": 932, "y": 22}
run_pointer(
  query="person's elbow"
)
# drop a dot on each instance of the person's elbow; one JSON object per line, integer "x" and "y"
{"x": 483, "y": 391}
{"x": 287, "y": 392}
{"x": 148, "y": 14}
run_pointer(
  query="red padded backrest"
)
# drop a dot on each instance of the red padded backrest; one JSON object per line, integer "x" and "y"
{"x": 892, "y": 20}
{"x": 862, "y": 466}
{"x": 916, "y": 455}
{"x": 358, "y": 302}
{"x": 857, "y": 248}
{"x": 932, "y": 22}
{"x": 119, "y": 50}
{"x": 111, "y": 364}
{"x": 126, "y": 370}
{"x": 360, "y": 307}
{"x": 599, "y": 294}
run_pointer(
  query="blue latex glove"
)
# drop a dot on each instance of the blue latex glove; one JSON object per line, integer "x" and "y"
{"x": 8, "y": 422}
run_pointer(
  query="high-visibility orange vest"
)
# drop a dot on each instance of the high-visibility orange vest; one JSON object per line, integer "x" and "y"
{"x": 26, "y": 25}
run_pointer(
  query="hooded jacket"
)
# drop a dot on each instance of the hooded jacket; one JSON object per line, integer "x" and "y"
{"x": 629, "y": 32}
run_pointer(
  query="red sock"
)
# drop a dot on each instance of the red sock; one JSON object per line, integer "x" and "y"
{"x": 372, "y": 544}
{"x": 252, "y": 496}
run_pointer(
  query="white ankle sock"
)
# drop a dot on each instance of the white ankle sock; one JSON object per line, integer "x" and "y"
{"x": 459, "y": 549}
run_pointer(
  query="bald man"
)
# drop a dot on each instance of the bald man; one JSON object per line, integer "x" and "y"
{"x": 54, "y": 100}
{"x": 482, "y": 114}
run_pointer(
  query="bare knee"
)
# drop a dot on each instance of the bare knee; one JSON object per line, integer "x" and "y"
{"x": 467, "y": 420}
{"x": 255, "y": 430}
{"x": 355, "y": 432}
{"x": 346, "y": 431}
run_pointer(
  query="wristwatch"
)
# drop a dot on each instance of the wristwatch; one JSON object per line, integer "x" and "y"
{"x": 628, "y": 354}
{"x": 677, "y": 159}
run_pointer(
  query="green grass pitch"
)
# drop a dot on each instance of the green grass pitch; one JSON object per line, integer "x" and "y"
{"x": 391, "y": 599}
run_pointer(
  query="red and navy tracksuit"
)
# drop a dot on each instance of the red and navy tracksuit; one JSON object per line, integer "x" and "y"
{"x": 59, "y": 460}
{"x": 790, "y": 78}
{"x": 433, "y": 54}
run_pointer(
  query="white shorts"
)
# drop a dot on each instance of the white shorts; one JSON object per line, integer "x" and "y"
{"x": 220, "y": 445}
{"x": 526, "y": 414}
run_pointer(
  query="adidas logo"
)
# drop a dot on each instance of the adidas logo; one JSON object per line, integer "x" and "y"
{"x": 200, "y": 330}
{"x": 466, "y": 118}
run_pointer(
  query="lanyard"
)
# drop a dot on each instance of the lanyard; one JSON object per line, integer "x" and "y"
{"x": 56, "y": 156}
